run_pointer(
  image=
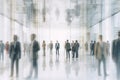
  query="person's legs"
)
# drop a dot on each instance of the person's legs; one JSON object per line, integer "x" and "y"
{"x": 17, "y": 67}
{"x": 118, "y": 70}
{"x": 12, "y": 67}
{"x": 99, "y": 65}
{"x": 36, "y": 68}
{"x": 73, "y": 53}
{"x": 104, "y": 67}
{"x": 76, "y": 53}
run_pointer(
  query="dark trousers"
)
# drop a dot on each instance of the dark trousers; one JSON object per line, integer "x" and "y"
{"x": 34, "y": 66}
{"x": 76, "y": 53}
{"x": 67, "y": 54}
{"x": 73, "y": 54}
{"x": 118, "y": 70}
{"x": 12, "y": 66}
{"x": 104, "y": 65}
{"x": 57, "y": 51}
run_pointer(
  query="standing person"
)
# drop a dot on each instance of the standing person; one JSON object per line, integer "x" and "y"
{"x": 7, "y": 46}
{"x": 1, "y": 50}
{"x": 57, "y": 47}
{"x": 108, "y": 47}
{"x": 86, "y": 46}
{"x": 51, "y": 47}
{"x": 91, "y": 48}
{"x": 15, "y": 55}
{"x": 101, "y": 54}
{"x": 34, "y": 48}
{"x": 77, "y": 45}
{"x": 44, "y": 48}
{"x": 73, "y": 49}
{"x": 116, "y": 54}
{"x": 68, "y": 48}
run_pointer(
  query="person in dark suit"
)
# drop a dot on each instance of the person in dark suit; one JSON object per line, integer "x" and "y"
{"x": 34, "y": 48}
{"x": 116, "y": 54}
{"x": 57, "y": 47}
{"x": 77, "y": 45}
{"x": 15, "y": 55}
{"x": 68, "y": 48}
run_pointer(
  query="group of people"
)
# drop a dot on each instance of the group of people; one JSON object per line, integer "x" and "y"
{"x": 73, "y": 47}
{"x": 100, "y": 51}
{"x": 14, "y": 51}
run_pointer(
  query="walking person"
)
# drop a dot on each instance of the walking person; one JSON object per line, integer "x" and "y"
{"x": 15, "y": 55}
{"x": 44, "y": 48}
{"x": 34, "y": 48}
{"x": 91, "y": 48}
{"x": 116, "y": 54}
{"x": 51, "y": 47}
{"x": 1, "y": 50}
{"x": 7, "y": 46}
{"x": 73, "y": 49}
{"x": 77, "y": 45}
{"x": 101, "y": 54}
{"x": 57, "y": 47}
{"x": 68, "y": 48}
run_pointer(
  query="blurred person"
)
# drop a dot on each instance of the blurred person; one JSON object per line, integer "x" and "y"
{"x": 116, "y": 54}
{"x": 73, "y": 49}
{"x": 86, "y": 46}
{"x": 44, "y": 48}
{"x": 108, "y": 47}
{"x": 1, "y": 50}
{"x": 77, "y": 45}
{"x": 91, "y": 47}
{"x": 7, "y": 46}
{"x": 68, "y": 49}
{"x": 34, "y": 48}
{"x": 101, "y": 54}
{"x": 15, "y": 55}
{"x": 51, "y": 47}
{"x": 57, "y": 47}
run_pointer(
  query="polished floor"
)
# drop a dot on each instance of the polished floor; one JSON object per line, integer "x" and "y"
{"x": 58, "y": 68}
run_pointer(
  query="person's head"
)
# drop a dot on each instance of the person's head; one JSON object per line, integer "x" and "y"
{"x": 15, "y": 38}
{"x": 57, "y": 41}
{"x": 33, "y": 36}
{"x": 43, "y": 41}
{"x": 100, "y": 37}
{"x": 76, "y": 41}
{"x": 119, "y": 34}
{"x": 67, "y": 40}
{"x": 91, "y": 41}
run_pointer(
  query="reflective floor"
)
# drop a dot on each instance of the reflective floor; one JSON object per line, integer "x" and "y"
{"x": 58, "y": 68}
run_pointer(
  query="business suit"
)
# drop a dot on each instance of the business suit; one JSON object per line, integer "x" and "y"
{"x": 34, "y": 48}
{"x": 76, "y": 49}
{"x": 101, "y": 55}
{"x": 15, "y": 55}
{"x": 116, "y": 55}
{"x": 68, "y": 48}
{"x": 57, "y": 47}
